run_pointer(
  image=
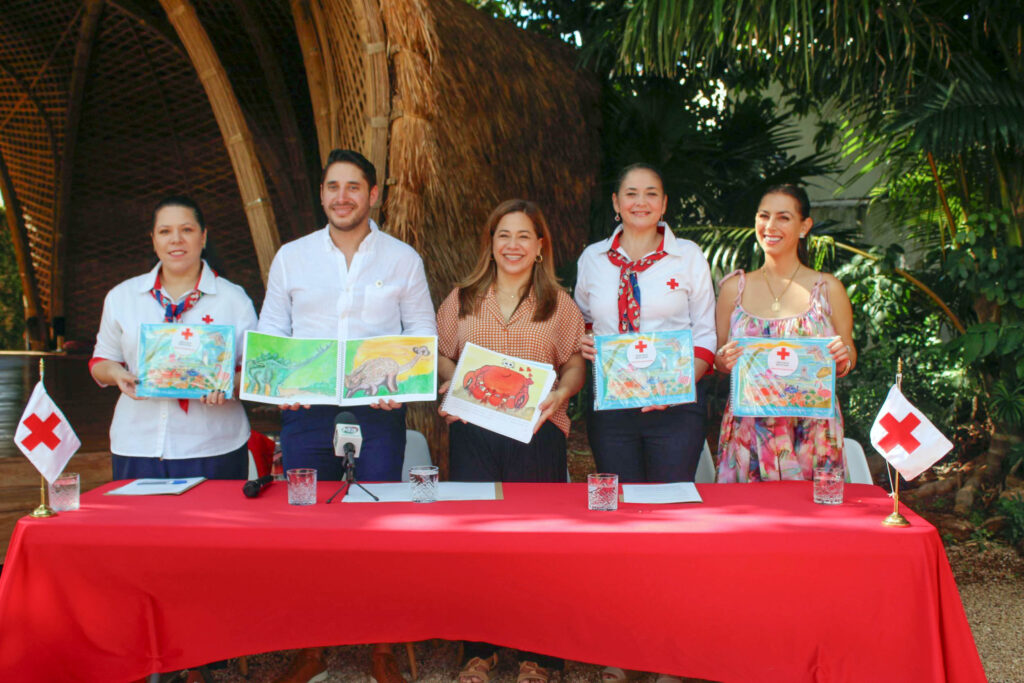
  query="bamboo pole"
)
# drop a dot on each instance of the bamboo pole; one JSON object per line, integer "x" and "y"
{"x": 313, "y": 59}
{"x": 233, "y": 128}
{"x": 76, "y": 91}
{"x": 295, "y": 186}
{"x": 34, "y": 320}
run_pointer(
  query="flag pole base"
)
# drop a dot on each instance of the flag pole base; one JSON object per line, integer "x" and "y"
{"x": 43, "y": 511}
{"x": 895, "y": 519}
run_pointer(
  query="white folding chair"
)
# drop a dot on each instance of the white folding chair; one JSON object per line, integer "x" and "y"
{"x": 857, "y": 471}
{"x": 705, "y": 467}
{"x": 416, "y": 452}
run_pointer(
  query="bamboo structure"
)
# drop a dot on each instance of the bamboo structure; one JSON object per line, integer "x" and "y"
{"x": 107, "y": 105}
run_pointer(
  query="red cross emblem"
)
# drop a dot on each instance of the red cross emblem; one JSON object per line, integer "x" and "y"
{"x": 783, "y": 353}
{"x": 207, "y": 319}
{"x": 187, "y": 334}
{"x": 899, "y": 432}
{"x": 41, "y": 432}
{"x": 640, "y": 346}
{"x": 672, "y": 284}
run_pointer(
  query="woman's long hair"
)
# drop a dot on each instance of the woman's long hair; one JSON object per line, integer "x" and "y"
{"x": 543, "y": 281}
{"x": 804, "y": 202}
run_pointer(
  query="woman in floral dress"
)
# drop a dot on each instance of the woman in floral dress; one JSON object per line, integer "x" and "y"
{"x": 783, "y": 298}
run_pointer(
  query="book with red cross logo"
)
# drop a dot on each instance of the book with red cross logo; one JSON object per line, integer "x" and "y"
{"x": 783, "y": 377}
{"x": 640, "y": 369}
{"x": 44, "y": 435}
{"x": 905, "y": 437}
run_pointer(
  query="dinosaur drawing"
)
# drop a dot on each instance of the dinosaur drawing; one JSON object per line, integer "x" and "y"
{"x": 375, "y": 373}
{"x": 268, "y": 370}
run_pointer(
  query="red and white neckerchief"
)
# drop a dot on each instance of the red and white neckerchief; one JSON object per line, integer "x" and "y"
{"x": 629, "y": 288}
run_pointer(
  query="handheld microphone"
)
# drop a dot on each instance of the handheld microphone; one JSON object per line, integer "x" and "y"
{"x": 348, "y": 437}
{"x": 254, "y": 487}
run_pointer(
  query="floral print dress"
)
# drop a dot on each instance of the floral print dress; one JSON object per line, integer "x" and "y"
{"x": 776, "y": 448}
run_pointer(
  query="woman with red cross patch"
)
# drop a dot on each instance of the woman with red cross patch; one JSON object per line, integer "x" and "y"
{"x": 164, "y": 437}
{"x": 783, "y": 298}
{"x": 645, "y": 279}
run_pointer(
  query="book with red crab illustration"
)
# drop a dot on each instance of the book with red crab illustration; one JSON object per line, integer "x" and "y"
{"x": 640, "y": 369}
{"x": 498, "y": 392}
{"x": 185, "y": 361}
{"x": 784, "y": 377}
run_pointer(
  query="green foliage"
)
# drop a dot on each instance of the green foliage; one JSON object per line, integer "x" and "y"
{"x": 1013, "y": 510}
{"x": 12, "y": 311}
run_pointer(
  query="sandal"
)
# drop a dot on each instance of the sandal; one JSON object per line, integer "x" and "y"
{"x": 615, "y": 674}
{"x": 531, "y": 671}
{"x": 479, "y": 669}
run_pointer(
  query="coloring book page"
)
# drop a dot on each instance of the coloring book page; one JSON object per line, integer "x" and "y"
{"x": 643, "y": 369}
{"x": 185, "y": 361}
{"x": 286, "y": 370}
{"x": 780, "y": 377}
{"x": 498, "y": 392}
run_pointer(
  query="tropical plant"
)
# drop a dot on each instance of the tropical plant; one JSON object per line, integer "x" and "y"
{"x": 12, "y": 313}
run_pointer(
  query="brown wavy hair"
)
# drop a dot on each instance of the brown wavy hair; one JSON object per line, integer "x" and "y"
{"x": 543, "y": 282}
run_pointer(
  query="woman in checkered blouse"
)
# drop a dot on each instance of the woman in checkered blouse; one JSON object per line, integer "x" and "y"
{"x": 512, "y": 304}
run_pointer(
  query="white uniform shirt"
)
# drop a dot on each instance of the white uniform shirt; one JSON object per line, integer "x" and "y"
{"x": 675, "y": 293}
{"x": 313, "y": 294}
{"x": 158, "y": 427}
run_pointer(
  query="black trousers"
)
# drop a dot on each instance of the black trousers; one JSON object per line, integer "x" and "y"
{"x": 477, "y": 454}
{"x": 657, "y": 446}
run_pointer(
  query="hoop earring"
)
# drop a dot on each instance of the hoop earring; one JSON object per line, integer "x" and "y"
{"x": 540, "y": 258}
{"x": 617, "y": 219}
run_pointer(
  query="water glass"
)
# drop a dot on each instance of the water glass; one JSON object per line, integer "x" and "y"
{"x": 302, "y": 486}
{"x": 64, "y": 492}
{"x": 423, "y": 483}
{"x": 603, "y": 491}
{"x": 828, "y": 485}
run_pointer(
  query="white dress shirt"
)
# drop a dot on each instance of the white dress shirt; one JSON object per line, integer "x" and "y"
{"x": 675, "y": 292}
{"x": 312, "y": 293}
{"x": 158, "y": 427}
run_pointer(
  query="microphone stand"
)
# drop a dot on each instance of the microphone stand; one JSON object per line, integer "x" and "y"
{"x": 350, "y": 475}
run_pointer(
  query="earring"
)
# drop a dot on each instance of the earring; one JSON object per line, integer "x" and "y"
{"x": 803, "y": 235}
{"x": 540, "y": 258}
{"x": 617, "y": 219}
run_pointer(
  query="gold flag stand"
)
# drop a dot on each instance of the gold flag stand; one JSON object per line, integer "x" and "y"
{"x": 43, "y": 510}
{"x": 896, "y": 519}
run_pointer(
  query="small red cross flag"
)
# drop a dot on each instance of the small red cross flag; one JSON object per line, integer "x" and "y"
{"x": 44, "y": 435}
{"x": 905, "y": 437}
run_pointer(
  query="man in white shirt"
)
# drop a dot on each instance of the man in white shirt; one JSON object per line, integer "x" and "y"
{"x": 348, "y": 280}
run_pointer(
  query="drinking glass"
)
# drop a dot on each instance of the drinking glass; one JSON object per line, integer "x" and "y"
{"x": 423, "y": 483}
{"x": 603, "y": 491}
{"x": 302, "y": 486}
{"x": 64, "y": 492}
{"x": 828, "y": 485}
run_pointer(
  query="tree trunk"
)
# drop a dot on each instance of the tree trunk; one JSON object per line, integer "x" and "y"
{"x": 988, "y": 468}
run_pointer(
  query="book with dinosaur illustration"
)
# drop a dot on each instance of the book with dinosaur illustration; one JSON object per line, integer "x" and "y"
{"x": 498, "y": 392}
{"x": 641, "y": 369}
{"x": 286, "y": 370}
{"x": 784, "y": 377}
{"x": 185, "y": 361}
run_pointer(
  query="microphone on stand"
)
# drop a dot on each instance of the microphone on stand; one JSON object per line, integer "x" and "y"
{"x": 348, "y": 439}
{"x": 254, "y": 487}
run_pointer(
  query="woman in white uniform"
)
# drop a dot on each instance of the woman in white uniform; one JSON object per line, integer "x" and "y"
{"x": 165, "y": 437}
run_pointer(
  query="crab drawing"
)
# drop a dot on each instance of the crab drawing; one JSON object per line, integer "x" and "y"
{"x": 500, "y": 386}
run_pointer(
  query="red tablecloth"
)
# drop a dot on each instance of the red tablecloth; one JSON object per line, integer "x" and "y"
{"x": 755, "y": 584}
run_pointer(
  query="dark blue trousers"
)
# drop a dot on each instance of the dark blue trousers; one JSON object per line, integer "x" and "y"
{"x": 307, "y": 440}
{"x": 233, "y": 465}
{"x": 657, "y": 446}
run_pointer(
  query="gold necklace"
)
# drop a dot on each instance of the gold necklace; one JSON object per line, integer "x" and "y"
{"x": 776, "y": 306}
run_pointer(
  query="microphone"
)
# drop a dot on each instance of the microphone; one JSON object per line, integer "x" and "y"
{"x": 254, "y": 487}
{"x": 348, "y": 437}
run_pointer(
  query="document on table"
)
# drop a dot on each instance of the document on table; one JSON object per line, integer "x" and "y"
{"x": 446, "y": 491}
{"x": 156, "y": 487}
{"x": 677, "y": 492}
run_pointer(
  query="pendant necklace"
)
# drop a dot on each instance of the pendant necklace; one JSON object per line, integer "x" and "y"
{"x": 776, "y": 306}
